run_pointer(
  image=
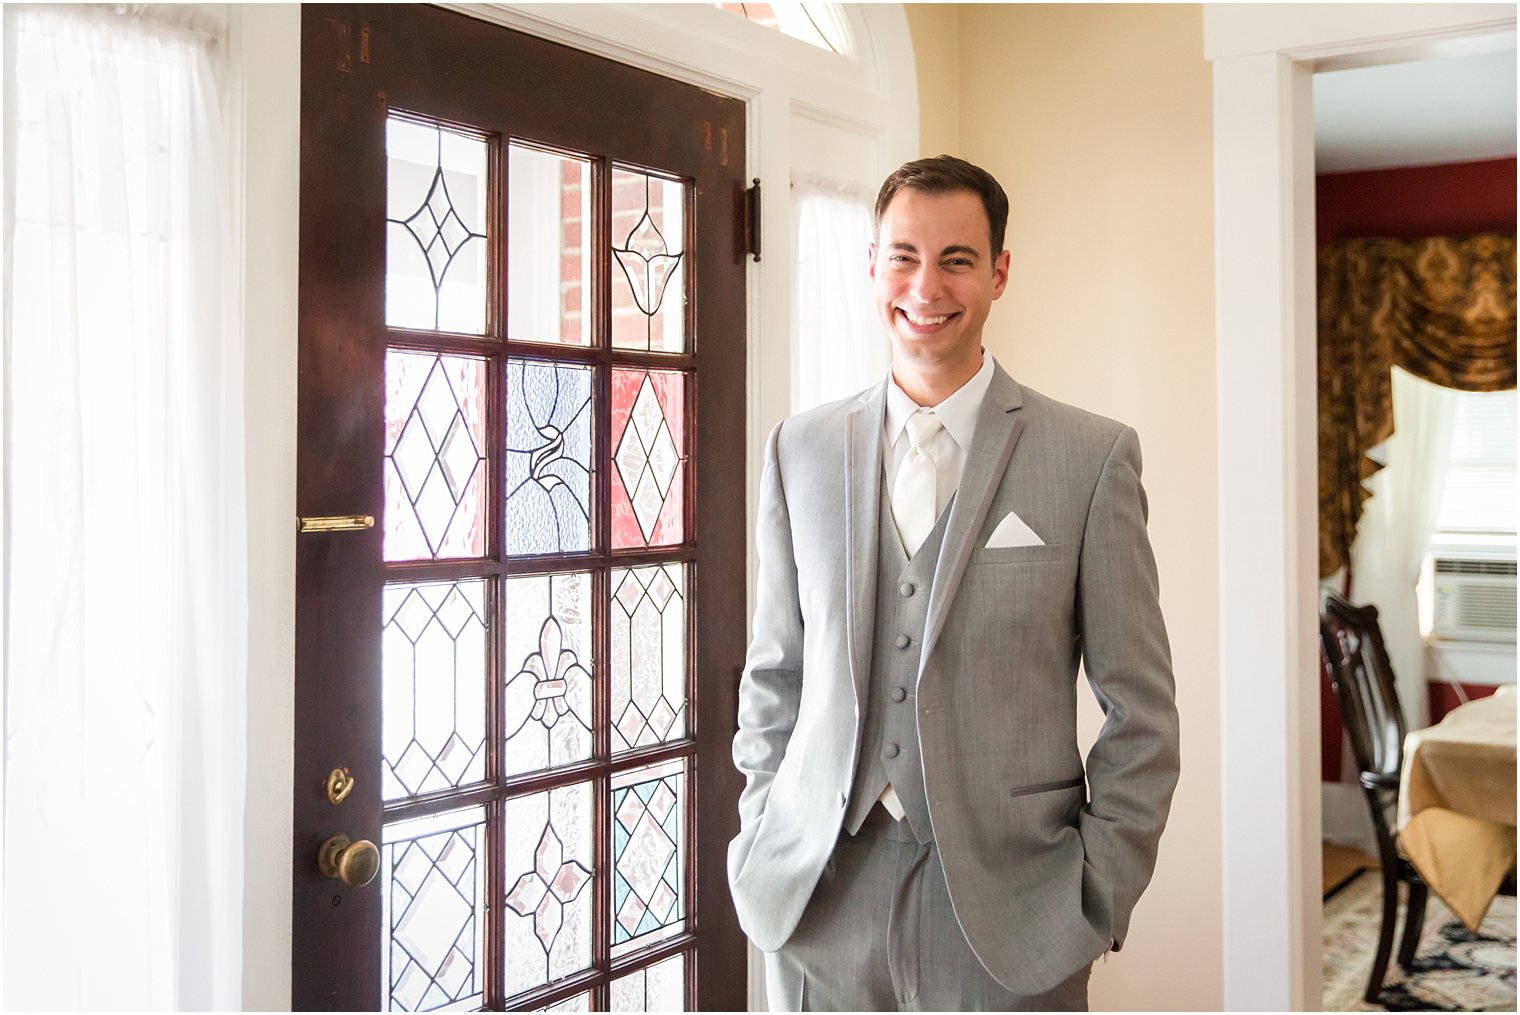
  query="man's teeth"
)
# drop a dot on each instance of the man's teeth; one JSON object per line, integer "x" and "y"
{"x": 925, "y": 321}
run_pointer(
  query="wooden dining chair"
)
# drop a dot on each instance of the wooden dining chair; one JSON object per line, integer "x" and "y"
{"x": 1351, "y": 646}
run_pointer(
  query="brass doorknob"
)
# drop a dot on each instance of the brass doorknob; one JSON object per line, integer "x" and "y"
{"x": 353, "y": 863}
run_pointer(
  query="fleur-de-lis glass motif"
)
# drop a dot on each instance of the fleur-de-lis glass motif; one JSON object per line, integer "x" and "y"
{"x": 537, "y": 692}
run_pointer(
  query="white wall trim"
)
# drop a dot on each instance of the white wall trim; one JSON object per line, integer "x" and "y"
{"x": 1263, "y": 58}
{"x": 265, "y": 50}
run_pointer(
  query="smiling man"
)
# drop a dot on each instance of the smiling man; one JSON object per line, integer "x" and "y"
{"x": 919, "y": 830}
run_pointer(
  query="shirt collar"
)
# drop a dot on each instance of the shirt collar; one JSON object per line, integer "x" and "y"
{"x": 958, "y": 413}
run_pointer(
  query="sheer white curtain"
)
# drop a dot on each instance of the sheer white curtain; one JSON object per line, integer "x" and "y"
{"x": 839, "y": 344}
{"x": 1396, "y": 526}
{"x": 125, "y": 585}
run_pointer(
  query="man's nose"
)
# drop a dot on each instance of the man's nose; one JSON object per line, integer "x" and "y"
{"x": 928, "y": 283}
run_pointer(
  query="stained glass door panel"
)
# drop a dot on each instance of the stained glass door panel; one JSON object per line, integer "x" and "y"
{"x": 553, "y": 788}
{"x": 500, "y": 335}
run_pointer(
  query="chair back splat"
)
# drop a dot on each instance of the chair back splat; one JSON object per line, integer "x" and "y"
{"x": 1352, "y": 653}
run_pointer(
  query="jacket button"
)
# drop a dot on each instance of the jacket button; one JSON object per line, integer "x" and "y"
{"x": 898, "y": 694}
{"x": 906, "y": 588}
{"x": 891, "y": 751}
{"x": 903, "y": 641}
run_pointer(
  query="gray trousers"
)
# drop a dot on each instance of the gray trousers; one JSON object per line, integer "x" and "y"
{"x": 879, "y": 934}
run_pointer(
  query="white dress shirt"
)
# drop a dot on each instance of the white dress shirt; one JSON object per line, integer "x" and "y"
{"x": 957, "y": 414}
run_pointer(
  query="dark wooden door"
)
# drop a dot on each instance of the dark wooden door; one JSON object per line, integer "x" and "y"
{"x": 522, "y": 356}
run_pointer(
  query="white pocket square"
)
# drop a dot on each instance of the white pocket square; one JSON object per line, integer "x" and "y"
{"x": 1012, "y": 531}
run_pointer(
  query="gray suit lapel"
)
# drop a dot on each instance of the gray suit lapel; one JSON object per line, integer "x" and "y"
{"x": 997, "y": 431}
{"x": 862, "y": 515}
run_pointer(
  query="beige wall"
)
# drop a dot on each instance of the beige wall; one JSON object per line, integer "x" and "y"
{"x": 936, "y": 56}
{"x": 1097, "y": 120}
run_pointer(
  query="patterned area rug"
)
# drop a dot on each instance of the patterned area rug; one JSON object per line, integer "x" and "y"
{"x": 1453, "y": 970}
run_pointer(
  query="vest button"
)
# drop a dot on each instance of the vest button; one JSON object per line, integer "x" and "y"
{"x": 891, "y": 751}
{"x": 898, "y": 694}
{"x": 906, "y": 588}
{"x": 903, "y": 641}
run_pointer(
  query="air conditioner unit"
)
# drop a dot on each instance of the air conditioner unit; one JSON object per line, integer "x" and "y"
{"x": 1475, "y": 599}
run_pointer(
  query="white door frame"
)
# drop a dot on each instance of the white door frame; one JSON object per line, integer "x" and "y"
{"x": 1263, "y": 59}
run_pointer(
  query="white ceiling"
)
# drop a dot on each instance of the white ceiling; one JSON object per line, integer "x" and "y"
{"x": 1454, "y": 109}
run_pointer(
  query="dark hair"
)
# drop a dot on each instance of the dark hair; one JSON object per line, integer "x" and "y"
{"x": 945, "y": 174}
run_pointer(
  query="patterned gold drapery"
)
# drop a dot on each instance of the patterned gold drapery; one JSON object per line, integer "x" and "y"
{"x": 1441, "y": 308}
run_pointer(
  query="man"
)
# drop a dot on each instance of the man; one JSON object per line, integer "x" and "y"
{"x": 918, "y": 831}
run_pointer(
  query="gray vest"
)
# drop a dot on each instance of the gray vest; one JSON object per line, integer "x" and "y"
{"x": 889, "y": 745}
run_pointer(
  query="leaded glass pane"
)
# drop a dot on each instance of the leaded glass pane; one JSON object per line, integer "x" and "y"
{"x": 648, "y": 664}
{"x": 548, "y": 458}
{"x": 433, "y": 653}
{"x": 548, "y": 856}
{"x": 576, "y": 1002}
{"x": 435, "y": 474}
{"x": 660, "y": 987}
{"x": 547, "y": 699}
{"x": 433, "y": 905}
{"x": 437, "y": 181}
{"x": 648, "y": 855}
{"x": 549, "y": 247}
{"x": 649, "y": 458}
{"x": 649, "y": 262}
{"x": 821, "y": 25}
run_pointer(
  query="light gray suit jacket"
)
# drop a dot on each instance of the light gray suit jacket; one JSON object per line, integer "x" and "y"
{"x": 1043, "y": 870}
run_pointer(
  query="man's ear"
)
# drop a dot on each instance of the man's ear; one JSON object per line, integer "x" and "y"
{"x": 871, "y": 260}
{"x": 1000, "y": 273}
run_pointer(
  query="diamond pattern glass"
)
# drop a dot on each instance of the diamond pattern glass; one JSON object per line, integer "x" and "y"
{"x": 648, "y": 255}
{"x": 660, "y": 987}
{"x": 548, "y": 458}
{"x": 433, "y": 907}
{"x": 437, "y": 183}
{"x": 433, "y": 678}
{"x": 648, "y": 855}
{"x": 648, "y": 663}
{"x": 547, "y": 847}
{"x": 648, "y": 458}
{"x": 435, "y": 474}
{"x": 547, "y": 700}
{"x": 549, "y": 240}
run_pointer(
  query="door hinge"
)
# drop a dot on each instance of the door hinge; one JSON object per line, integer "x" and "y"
{"x": 752, "y": 220}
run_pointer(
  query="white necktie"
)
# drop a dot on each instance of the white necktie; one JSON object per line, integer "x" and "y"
{"x": 913, "y": 511}
{"x": 913, "y": 493}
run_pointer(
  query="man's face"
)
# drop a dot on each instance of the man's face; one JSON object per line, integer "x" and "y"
{"x": 935, "y": 277}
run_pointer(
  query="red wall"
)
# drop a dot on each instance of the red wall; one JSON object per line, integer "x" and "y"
{"x": 1451, "y": 200}
{"x": 1444, "y": 697}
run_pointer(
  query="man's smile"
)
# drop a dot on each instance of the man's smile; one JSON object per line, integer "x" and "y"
{"x": 927, "y": 321}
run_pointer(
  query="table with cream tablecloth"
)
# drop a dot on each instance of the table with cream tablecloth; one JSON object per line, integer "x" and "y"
{"x": 1457, "y": 803}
